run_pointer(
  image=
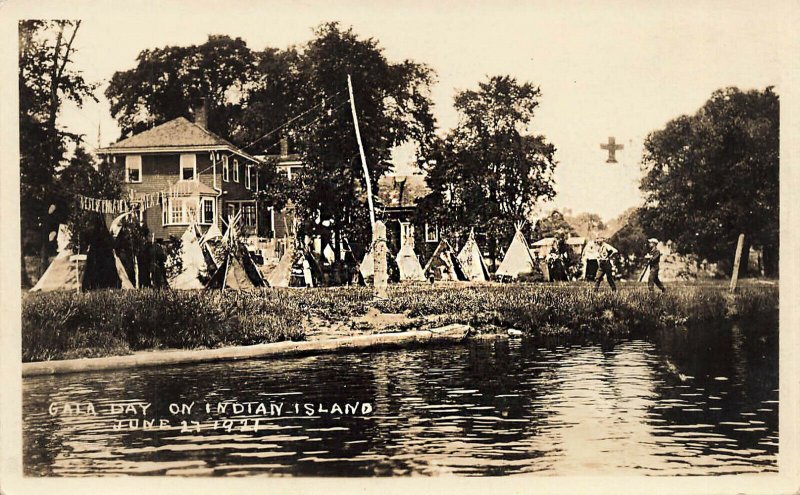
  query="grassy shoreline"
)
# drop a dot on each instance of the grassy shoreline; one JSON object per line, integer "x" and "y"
{"x": 108, "y": 323}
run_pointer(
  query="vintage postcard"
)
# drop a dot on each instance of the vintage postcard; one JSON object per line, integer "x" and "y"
{"x": 399, "y": 246}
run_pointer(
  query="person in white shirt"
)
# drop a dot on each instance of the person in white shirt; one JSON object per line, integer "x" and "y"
{"x": 604, "y": 269}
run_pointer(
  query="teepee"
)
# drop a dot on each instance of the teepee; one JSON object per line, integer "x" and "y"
{"x": 104, "y": 269}
{"x": 281, "y": 275}
{"x": 444, "y": 264}
{"x": 193, "y": 260}
{"x": 408, "y": 264}
{"x": 517, "y": 260}
{"x": 471, "y": 260}
{"x": 62, "y": 273}
{"x": 236, "y": 269}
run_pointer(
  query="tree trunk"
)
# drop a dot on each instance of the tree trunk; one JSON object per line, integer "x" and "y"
{"x": 493, "y": 252}
{"x": 770, "y": 261}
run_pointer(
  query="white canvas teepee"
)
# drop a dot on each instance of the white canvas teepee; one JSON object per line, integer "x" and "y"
{"x": 62, "y": 273}
{"x": 194, "y": 262}
{"x": 281, "y": 275}
{"x": 472, "y": 262}
{"x": 407, "y": 261}
{"x": 517, "y": 260}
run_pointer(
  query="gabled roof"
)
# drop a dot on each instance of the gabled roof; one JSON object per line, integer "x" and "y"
{"x": 402, "y": 191}
{"x": 173, "y": 135}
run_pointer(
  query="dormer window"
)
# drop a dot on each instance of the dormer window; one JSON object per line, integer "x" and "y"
{"x": 133, "y": 168}
{"x": 235, "y": 170}
{"x": 188, "y": 166}
{"x": 247, "y": 176}
{"x": 226, "y": 169}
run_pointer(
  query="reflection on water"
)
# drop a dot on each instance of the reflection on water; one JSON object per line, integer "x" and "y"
{"x": 681, "y": 402}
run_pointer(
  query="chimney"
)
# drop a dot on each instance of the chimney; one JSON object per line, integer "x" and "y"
{"x": 200, "y": 114}
{"x": 284, "y": 146}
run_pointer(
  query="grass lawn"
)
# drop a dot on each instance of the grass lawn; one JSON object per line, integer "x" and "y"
{"x": 103, "y": 323}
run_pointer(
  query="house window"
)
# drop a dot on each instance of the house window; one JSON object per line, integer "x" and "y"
{"x": 231, "y": 211}
{"x": 249, "y": 215}
{"x": 188, "y": 166}
{"x": 431, "y": 233}
{"x": 180, "y": 211}
{"x": 247, "y": 176}
{"x": 133, "y": 168}
{"x": 207, "y": 209}
{"x": 226, "y": 169}
{"x": 235, "y": 170}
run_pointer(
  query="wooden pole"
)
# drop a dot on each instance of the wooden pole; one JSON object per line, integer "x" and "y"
{"x": 737, "y": 258}
{"x": 381, "y": 276}
{"x": 361, "y": 151}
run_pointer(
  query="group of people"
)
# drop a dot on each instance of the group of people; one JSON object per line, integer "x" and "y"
{"x": 606, "y": 252}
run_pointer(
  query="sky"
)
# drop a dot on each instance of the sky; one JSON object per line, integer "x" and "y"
{"x": 612, "y": 68}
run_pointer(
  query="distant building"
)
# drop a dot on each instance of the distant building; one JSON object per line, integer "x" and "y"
{"x": 201, "y": 175}
{"x": 397, "y": 203}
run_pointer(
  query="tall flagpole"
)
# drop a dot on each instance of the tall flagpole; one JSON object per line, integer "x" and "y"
{"x": 361, "y": 151}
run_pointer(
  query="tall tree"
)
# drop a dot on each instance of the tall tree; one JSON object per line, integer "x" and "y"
{"x": 47, "y": 78}
{"x": 393, "y": 107}
{"x": 490, "y": 172}
{"x": 171, "y": 82}
{"x": 714, "y": 174}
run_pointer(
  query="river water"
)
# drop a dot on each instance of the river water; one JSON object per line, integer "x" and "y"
{"x": 683, "y": 401}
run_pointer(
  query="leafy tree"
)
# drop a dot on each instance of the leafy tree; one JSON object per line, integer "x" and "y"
{"x": 85, "y": 177}
{"x": 393, "y": 106}
{"x": 490, "y": 172}
{"x": 631, "y": 241}
{"x": 553, "y": 225}
{"x": 587, "y": 224}
{"x": 47, "y": 78}
{"x": 170, "y": 82}
{"x": 714, "y": 174}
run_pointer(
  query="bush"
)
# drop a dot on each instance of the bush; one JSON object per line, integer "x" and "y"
{"x": 62, "y": 325}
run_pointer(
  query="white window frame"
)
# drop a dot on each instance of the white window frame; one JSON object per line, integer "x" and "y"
{"x": 202, "y": 211}
{"x": 429, "y": 231}
{"x": 235, "y": 170}
{"x": 226, "y": 169}
{"x": 244, "y": 207}
{"x": 192, "y": 158}
{"x": 133, "y": 162}
{"x": 168, "y": 211}
{"x": 247, "y": 169}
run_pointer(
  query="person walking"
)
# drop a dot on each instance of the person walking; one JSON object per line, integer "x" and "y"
{"x": 604, "y": 269}
{"x": 653, "y": 258}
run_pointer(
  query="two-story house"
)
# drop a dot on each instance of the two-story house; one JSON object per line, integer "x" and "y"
{"x": 198, "y": 176}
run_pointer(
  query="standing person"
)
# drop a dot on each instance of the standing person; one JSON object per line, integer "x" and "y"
{"x": 653, "y": 258}
{"x": 604, "y": 255}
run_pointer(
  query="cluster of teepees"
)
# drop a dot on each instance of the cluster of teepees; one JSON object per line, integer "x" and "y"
{"x": 296, "y": 268}
{"x": 235, "y": 268}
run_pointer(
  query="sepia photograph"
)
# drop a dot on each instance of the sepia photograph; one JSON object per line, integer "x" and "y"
{"x": 393, "y": 240}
